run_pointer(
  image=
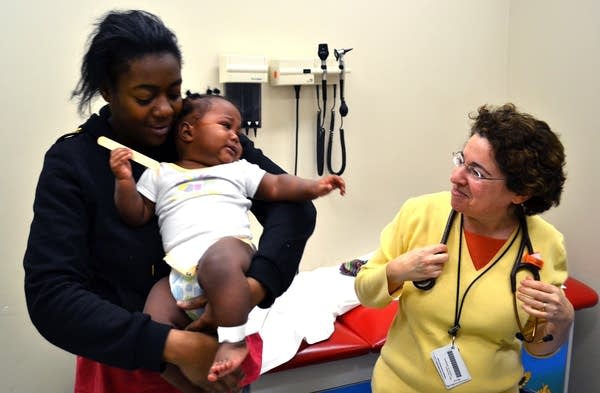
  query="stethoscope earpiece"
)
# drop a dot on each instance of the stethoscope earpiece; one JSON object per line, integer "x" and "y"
{"x": 545, "y": 339}
{"x": 424, "y": 285}
{"x": 520, "y": 336}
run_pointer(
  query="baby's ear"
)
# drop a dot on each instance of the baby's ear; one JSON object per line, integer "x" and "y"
{"x": 184, "y": 131}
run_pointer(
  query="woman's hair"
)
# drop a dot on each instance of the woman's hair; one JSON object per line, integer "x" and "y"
{"x": 118, "y": 38}
{"x": 528, "y": 153}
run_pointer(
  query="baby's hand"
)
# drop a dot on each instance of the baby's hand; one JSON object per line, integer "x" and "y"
{"x": 329, "y": 183}
{"x": 119, "y": 163}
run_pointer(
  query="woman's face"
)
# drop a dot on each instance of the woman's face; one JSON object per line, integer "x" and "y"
{"x": 481, "y": 199}
{"x": 146, "y": 99}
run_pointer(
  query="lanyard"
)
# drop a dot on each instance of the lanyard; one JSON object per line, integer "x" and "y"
{"x": 458, "y": 306}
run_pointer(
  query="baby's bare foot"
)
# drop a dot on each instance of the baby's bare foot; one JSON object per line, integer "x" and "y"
{"x": 228, "y": 358}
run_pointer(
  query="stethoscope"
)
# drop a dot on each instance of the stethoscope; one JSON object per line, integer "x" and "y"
{"x": 519, "y": 265}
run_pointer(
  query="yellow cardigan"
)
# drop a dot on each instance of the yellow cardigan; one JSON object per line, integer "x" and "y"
{"x": 486, "y": 339}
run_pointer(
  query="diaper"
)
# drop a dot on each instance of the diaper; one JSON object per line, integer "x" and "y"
{"x": 185, "y": 287}
{"x": 185, "y": 257}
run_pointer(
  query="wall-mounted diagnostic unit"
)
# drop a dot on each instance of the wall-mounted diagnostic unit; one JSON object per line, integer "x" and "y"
{"x": 241, "y": 77}
{"x": 290, "y": 72}
{"x": 326, "y": 73}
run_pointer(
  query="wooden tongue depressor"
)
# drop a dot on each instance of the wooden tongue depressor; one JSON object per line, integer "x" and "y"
{"x": 137, "y": 157}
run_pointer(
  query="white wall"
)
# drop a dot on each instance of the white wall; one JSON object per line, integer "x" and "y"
{"x": 417, "y": 70}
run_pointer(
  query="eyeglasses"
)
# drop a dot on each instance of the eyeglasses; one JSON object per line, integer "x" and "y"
{"x": 458, "y": 159}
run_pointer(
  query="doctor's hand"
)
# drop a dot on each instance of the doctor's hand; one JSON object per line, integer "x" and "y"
{"x": 547, "y": 302}
{"x": 416, "y": 265}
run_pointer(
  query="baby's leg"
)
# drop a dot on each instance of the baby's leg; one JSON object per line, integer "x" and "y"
{"x": 162, "y": 306}
{"x": 221, "y": 273}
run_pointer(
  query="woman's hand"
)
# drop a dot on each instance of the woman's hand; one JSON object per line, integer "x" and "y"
{"x": 416, "y": 265}
{"x": 549, "y": 303}
{"x": 225, "y": 384}
{"x": 194, "y": 354}
{"x": 206, "y": 321}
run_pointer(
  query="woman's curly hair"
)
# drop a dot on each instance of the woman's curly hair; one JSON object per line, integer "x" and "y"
{"x": 528, "y": 153}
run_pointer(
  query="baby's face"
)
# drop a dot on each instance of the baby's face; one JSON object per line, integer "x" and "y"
{"x": 216, "y": 134}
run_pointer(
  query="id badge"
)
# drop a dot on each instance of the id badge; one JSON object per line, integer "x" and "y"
{"x": 450, "y": 366}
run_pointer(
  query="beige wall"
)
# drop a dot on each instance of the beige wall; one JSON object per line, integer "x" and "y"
{"x": 554, "y": 60}
{"x": 417, "y": 70}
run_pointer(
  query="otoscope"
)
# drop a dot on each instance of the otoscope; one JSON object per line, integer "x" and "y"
{"x": 323, "y": 52}
{"x": 339, "y": 56}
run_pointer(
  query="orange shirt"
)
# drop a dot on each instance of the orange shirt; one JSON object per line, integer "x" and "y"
{"x": 482, "y": 248}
